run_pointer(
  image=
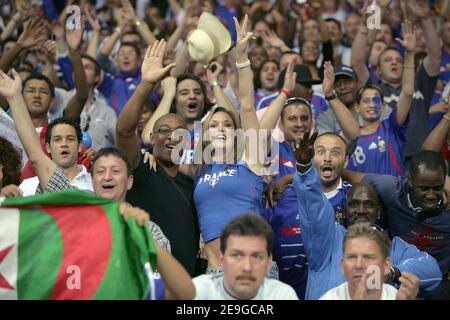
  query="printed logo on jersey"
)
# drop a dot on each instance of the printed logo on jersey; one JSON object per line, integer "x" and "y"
{"x": 214, "y": 179}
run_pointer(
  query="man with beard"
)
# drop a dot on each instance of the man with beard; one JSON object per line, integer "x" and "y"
{"x": 323, "y": 238}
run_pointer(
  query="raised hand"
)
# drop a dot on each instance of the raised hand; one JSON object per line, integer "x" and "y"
{"x": 409, "y": 36}
{"x": 289, "y": 78}
{"x": 140, "y": 216}
{"x": 152, "y": 68}
{"x": 243, "y": 37}
{"x": 10, "y": 88}
{"x": 272, "y": 38}
{"x": 213, "y": 72}
{"x": 409, "y": 287}
{"x": 304, "y": 148}
{"x": 328, "y": 78}
{"x": 50, "y": 50}
{"x": 73, "y": 37}
{"x": 93, "y": 21}
{"x": 419, "y": 8}
{"x": 35, "y": 33}
{"x": 128, "y": 12}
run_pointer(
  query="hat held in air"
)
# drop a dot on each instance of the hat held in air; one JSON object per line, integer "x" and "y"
{"x": 209, "y": 40}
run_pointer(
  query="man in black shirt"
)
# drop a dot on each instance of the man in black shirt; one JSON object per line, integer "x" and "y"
{"x": 165, "y": 193}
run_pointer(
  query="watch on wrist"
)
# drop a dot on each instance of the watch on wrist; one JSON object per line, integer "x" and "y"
{"x": 137, "y": 23}
{"x": 331, "y": 96}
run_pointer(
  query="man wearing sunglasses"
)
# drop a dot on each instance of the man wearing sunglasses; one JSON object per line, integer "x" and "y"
{"x": 323, "y": 237}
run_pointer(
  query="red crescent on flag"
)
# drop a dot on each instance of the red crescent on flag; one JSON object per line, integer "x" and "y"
{"x": 87, "y": 242}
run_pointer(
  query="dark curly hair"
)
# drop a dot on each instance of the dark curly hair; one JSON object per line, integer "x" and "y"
{"x": 11, "y": 160}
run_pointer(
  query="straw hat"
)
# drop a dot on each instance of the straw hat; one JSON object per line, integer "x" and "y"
{"x": 209, "y": 40}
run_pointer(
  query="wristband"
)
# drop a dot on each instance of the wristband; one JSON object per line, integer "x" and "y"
{"x": 243, "y": 65}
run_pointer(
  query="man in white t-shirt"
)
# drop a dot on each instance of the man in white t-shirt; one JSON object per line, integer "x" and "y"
{"x": 366, "y": 264}
{"x": 246, "y": 256}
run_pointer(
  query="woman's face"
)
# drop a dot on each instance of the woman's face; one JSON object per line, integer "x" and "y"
{"x": 257, "y": 57}
{"x": 221, "y": 131}
{"x": 310, "y": 52}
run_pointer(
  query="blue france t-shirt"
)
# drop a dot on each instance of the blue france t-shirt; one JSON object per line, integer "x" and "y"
{"x": 224, "y": 191}
{"x": 380, "y": 152}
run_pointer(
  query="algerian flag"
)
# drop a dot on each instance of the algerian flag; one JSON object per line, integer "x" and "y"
{"x": 72, "y": 245}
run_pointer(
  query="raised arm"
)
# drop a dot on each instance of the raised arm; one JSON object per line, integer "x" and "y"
{"x": 76, "y": 103}
{"x": 316, "y": 213}
{"x": 406, "y": 95}
{"x": 213, "y": 72}
{"x": 140, "y": 25}
{"x": 344, "y": 117}
{"x": 35, "y": 33}
{"x": 95, "y": 36}
{"x": 359, "y": 55}
{"x": 248, "y": 116}
{"x": 169, "y": 86}
{"x": 432, "y": 62}
{"x": 11, "y": 89}
{"x": 152, "y": 71}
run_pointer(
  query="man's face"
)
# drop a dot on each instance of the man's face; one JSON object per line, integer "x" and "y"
{"x": 257, "y": 56}
{"x": 351, "y": 26}
{"x": 359, "y": 254}
{"x": 37, "y": 96}
{"x": 376, "y": 50}
{"x": 335, "y": 32}
{"x": 311, "y": 30}
{"x": 144, "y": 119}
{"x": 428, "y": 188}
{"x": 385, "y": 34}
{"x": 260, "y": 29}
{"x": 290, "y": 57}
{"x": 269, "y": 76}
{"x": 370, "y": 106}
{"x": 295, "y": 122}
{"x": 245, "y": 263}
{"x": 161, "y": 138}
{"x": 64, "y": 146}
{"x": 110, "y": 178}
{"x": 89, "y": 71}
{"x": 362, "y": 205}
{"x": 346, "y": 89}
{"x": 127, "y": 59}
{"x": 330, "y": 159}
{"x": 391, "y": 66}
{"x": 190, "y": 101}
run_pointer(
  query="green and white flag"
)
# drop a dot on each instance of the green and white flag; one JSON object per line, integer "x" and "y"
{"x": 72, "y": 245}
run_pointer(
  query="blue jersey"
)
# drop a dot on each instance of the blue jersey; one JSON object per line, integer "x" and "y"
{"x": 288, "y": 250}
{"x": 380, "y": 152}
{"x": 223, "y": 192}
{"x": 286, "y": 159}
{"x": 338, "y": 199}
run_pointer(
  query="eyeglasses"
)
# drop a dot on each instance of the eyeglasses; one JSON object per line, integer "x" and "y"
{"x": 165, "y": 131}
{"x": 376, "y": 227}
